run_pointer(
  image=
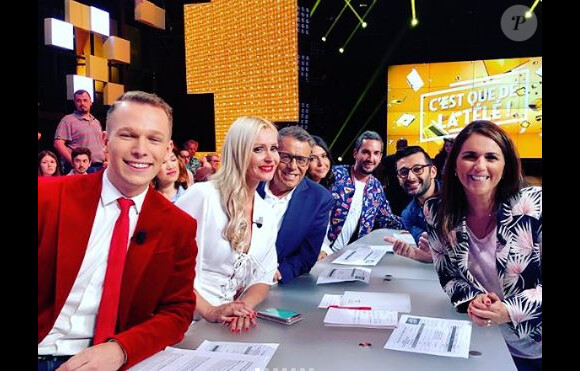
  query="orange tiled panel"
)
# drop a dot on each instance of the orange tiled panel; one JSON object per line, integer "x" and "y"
{"x": 118, "y": 49}
{"x": 97, "y": 68}
{"x": 112, "y": 92}
{"x": 246, "y": 54}
{"x": 78, "y": 14}
{"x": 150, "y": 14}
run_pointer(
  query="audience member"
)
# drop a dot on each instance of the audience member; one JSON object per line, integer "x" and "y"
{"x": 171, "y": 180}
{"x": 48, "y": 164}
{"x": 191, "y": 146}
{"x": 80, "y": 129}
{"x": 359, "y": 201}
{"x": 107, "y": 300}
{"x": 485, "y": 234}
{"x": 439, "y": 159}
{"x": 184, "y": 157}
{"x": 81, "y": 161}
{"x": 300, "y": 205}
{"x": 416, "y": 175}
{"x": 236, "y": 234}
{"x": 321, "y": 163}
{"x": 209, "y": 165}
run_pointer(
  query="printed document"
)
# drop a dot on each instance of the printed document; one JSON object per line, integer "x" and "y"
{"x": 333, "y": 275}
{"x": 210, "y": 356}
{"x": 362, "y": 255}
{"x": 440, "y": 337}
{"x": 348, "y": 317}
{"x": 395, "y": 302}
{"x": 329, "y": 300}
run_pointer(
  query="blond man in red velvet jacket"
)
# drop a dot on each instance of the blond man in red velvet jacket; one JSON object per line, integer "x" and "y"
{"x": 76, "y": 216}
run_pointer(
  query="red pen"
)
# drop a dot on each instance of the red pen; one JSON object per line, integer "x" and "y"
{"x": 356, "y": 308}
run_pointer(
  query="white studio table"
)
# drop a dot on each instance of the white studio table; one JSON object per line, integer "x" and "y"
{"x": 310, "y": 345}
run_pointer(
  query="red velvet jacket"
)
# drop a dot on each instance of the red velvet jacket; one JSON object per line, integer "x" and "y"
{"x": 157, "y": 299}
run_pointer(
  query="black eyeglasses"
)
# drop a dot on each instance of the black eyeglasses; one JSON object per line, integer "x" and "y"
{"x": 417, "y": 170}
{"x": 287, "y": 158}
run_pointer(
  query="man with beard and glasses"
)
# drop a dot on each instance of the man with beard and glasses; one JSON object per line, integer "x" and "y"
{"x": 80, "y": 129}
{"x": 360, "y": 204}
{"x": 416, "y": 174}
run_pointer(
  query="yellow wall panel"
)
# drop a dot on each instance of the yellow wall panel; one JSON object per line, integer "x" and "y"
{"x": 78, "y": 14}
{"x": 246, "y": 54}
{"x": 118, "y": 49}
{"x": 97, "y": 68}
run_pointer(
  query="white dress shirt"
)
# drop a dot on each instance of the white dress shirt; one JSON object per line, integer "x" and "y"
{"x": 279, "y": 205}
{"x": 221, "y": 274}
{"x": 74, "y": 326}
{"x": 351, "y": 222}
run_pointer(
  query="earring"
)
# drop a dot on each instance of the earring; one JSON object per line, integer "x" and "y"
{"x": 456, "y": 174}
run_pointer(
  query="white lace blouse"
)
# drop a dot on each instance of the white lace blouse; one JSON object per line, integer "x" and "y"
{"x": 222, "y": 274}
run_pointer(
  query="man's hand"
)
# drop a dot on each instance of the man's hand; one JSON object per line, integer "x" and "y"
{"x": 322, "y": 255}
{"x": 105, "y": 356}
{"x": 407, "y": 250}
{"x": 277, "y": 276}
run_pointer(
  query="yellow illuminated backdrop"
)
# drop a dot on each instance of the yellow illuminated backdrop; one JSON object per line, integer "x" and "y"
{"x": 246, "y": 54}
{"x": 430, "y": 101}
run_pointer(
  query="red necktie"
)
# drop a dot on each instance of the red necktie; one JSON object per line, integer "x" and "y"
{"x": 107, "y": 314}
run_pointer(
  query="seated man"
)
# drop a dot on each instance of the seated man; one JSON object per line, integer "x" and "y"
{"x": 81, "y": 159}
{"x": 300, "y": 205}
{"x": 359, "y": 203}
{"x": 116, "y": 259}
{"x": 416, "y": 174}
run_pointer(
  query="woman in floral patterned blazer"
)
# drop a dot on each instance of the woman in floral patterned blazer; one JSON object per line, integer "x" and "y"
{"x": 485, "y": 235}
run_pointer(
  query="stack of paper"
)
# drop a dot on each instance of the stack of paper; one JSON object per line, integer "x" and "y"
{"x": 334, "y": 275}
{"x": 369, "y": 318}
{"x": 211, "y": 355}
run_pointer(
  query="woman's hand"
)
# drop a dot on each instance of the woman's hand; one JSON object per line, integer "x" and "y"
{"x": 239, "y": 324}
{"x": 229, "y": 311}
{"x": 487, "y": 310}
{"x": 322, "y": 255}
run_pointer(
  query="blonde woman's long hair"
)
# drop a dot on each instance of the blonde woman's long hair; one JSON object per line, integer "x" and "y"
{"x": 230, "y": 179}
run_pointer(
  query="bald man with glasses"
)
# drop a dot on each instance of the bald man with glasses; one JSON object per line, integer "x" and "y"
{"x": 300, "y": 205}
{"x": 416, "y": 174}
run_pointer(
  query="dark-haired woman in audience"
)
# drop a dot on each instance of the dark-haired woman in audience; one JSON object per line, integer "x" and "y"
{"x": 236, "y": 232}
{"x": 171, "y": 180}
{"x": 321, "y": 163}
{"x": 485, "y": 235}
{"x": 48, "y": 164}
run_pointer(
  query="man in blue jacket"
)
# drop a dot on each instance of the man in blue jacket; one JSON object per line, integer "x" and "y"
{"x": 301, "y": 206}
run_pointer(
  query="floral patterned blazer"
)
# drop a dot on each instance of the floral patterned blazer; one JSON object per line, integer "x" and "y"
{"x": 518, "y": 260}
{"x": 376, "y": 212}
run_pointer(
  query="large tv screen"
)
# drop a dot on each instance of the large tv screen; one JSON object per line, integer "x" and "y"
{"x": 428, "y": 102}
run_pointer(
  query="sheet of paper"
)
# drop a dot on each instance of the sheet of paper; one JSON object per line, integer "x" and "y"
{"x": 440, "y": 337}
{"x": 397, "y": 302}
{"x": 414, "y": 80}
{"x": 376, "y": 318}
{"x": 329, "y": 299}
{"x": 405, "y": 237}
{"x": 388, "y": 247}
{"x": 175, "y": 359}
{"x": 362, "y": 255}
{"x": 256, "y": 349}
{"x": 333, "y": 275}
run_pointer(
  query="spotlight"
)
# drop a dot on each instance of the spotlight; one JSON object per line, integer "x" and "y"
{"x": 323, "y": 38}
{"x": 341, "y": 50}
{"x": 364, "y": 25}
{"x": 528, "y": 14}
{"x": 339, "y": 159}
{"x": 414, "y": 22}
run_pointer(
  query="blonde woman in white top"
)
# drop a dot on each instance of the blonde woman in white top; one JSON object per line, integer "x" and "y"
{"x": 235, "y": 234}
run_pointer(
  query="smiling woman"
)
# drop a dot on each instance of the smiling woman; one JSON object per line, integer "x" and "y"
{"x": 236, "y": 261}
{"x": 485, "y": 233}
